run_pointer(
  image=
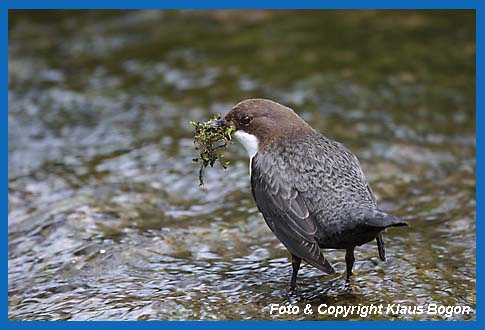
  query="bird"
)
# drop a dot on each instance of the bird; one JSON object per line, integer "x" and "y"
{"x": 310, "y": 189}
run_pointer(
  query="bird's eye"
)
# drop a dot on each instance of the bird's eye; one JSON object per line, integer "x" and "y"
{"x": 246, "y": 120}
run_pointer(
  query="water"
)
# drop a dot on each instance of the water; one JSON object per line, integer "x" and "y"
{"x": 106, "y": 218}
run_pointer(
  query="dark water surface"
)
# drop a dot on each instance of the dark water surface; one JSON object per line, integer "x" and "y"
{"x": 106, "y": 218}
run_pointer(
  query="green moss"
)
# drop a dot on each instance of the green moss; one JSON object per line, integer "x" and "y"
{"x": 209, "y": 140}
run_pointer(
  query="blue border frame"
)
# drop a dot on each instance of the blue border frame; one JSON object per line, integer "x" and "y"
{"x": 4, "y": 145}
{"x": 248, "y": 4}
{"x": 5, "y": 5}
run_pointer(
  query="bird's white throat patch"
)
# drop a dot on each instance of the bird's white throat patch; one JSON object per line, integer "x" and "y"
{"x": 250, "y": 143}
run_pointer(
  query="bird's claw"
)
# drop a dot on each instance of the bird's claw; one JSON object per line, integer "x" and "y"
{"x": 293, "y": 289}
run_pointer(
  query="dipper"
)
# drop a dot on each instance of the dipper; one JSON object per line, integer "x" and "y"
{"x": 311, "y": 190}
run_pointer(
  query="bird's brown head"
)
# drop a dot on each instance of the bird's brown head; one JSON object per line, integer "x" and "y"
{"x": 265, "y": 122}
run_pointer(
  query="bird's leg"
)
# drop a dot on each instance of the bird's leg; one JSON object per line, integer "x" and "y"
{"x": 380, "y": 247}
{"x": 295, "y": 264}
{"x": 349, "y": 259}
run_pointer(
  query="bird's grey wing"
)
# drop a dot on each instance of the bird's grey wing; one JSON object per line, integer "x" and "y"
{"x": 286, "y": 213}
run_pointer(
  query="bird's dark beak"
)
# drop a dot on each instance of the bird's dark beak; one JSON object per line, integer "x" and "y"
{"x": 218, "y": 123}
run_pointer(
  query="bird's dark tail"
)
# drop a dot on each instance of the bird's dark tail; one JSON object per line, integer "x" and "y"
{"x": 378, "y": 219}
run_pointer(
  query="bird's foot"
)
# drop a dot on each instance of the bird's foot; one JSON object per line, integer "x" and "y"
{"x": 293, "y": 289}
{"x": 349, "y": 283}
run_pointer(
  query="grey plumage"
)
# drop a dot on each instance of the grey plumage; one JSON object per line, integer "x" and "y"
{"x": 311, "y": 190}
{"x": 312, "y": 193}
